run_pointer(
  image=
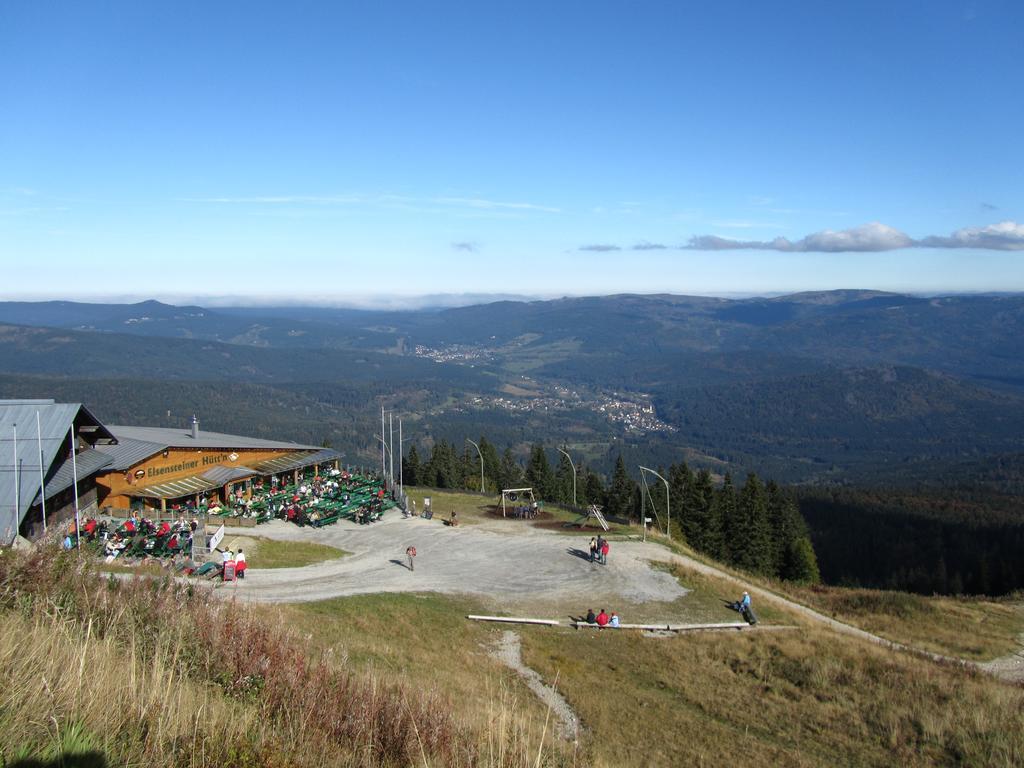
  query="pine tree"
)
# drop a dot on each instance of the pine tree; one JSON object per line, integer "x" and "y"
{"x": 680, "y": 478}
{"x": 801, "y": 563}
{"x": 622, "y": 493}
{"x": 442, "y": 469}
{"x": 786, "y": 526}
{"x": 539, "y": 474}
{"x": 511, "y": 474}
{"x": 753, "y": 547}
{"x": 411, "y": 466}
{"x": 564, "y": 481}
{"x": 492, "y": 463}
{"x": 699, "y": 500}
{"x": 594, "y": 490}
{"x": 724, "y": 509}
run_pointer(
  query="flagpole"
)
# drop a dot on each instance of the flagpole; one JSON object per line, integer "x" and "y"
{"x": 74, "y": 478}
{"x": 391, "y": 450}
{"x": 42, "y": 481}
{"x": 383, "y": 445}
{"x": 17, "y": 487}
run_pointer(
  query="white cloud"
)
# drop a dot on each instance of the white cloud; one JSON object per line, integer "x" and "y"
{"x": 1004, "y": 236}
{"x": 873, "y": 237}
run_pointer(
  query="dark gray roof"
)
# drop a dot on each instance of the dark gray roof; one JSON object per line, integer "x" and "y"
{"x": 128, "y": 452}
{"x": 55, "y": 421}
{"x": 182, "y": 438}
{"x": 87, "y": 463}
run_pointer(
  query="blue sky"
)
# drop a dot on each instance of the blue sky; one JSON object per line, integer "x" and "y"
{"x": 351, "y": 151}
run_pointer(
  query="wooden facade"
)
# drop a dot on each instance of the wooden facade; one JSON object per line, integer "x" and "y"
{"x": 117, "y": 489}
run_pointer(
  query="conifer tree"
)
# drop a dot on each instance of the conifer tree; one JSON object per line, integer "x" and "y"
{"x": 492, "y": 463}
{"x": 564, "y": 481}
{"x": 786, "y": 526}
{"x": 622, "y": 492}
{"x": 724, "y": 509}
{"x": 707, "y": 523}
{"x": 411, "y": 466}
{"x": 801, "y": 563}
{"x": 539, "y": 474}
{"x": 753, "y": 547}
{"x": 511, "y": 473}
{"x": 594, "y": 490}
{"x": 680, "y": 478}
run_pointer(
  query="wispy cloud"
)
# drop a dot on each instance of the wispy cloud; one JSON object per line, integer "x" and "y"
{"x": 645, "y": 246}
{"x": 873, "y": 237}
{"x": 469, "y": 247}
{"x": 600, "y": 247}
{"x": 281, "y": 200}
{"x": 745, "y": 224}
{"x": 476, "y": 202}
{"x": 989, "y": 207}
{"x": 387, "y": 201}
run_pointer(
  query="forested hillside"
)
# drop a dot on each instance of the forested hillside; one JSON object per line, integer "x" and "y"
{"x": 918, "y": 541}
{"x": 831, "y": 390}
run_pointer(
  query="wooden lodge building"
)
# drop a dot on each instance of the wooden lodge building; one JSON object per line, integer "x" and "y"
{"x": 123, "y": 467}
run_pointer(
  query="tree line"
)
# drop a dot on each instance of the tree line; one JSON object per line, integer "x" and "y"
{"x": 947, "y": 541}
{"x": 756, "y": 527}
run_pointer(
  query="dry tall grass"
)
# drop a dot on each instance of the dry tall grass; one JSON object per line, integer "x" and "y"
{"x": 156, "y": 673}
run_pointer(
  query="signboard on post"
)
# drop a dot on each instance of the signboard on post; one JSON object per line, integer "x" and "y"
{"x": 217, "y": 538}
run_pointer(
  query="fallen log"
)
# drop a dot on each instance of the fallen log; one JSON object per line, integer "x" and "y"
{"x": 513, "y": 620}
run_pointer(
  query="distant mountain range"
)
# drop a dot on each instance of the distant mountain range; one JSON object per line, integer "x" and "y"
{"x": 812, "y": 387}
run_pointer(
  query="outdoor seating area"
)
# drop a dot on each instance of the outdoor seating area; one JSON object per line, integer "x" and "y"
{"x": 316, "y": 499}
{"x": 136, "y": 537}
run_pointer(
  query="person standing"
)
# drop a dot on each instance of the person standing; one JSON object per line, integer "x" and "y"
{"x": 593, "y": 548}
{"x": 410, "y": 552}
{"x": 240, "y": 564}
{"x": 604, "y": 551}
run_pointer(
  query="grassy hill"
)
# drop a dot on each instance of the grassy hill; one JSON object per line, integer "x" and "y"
{"x": 402, "y": 679}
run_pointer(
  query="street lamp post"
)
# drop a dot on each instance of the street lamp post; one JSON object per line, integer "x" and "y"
{"x": 479, "y": 453}
{"x": 566, "y": 454}
{"x": 668, "y": 504}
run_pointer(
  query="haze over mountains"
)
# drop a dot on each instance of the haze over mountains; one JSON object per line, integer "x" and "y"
{"x": 812, "y": 387}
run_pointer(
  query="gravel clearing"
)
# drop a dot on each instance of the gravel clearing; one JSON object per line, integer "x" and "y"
{"x": 480, "y": 560}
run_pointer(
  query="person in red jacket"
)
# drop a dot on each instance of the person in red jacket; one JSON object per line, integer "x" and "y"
{"x": 604, "y": 552}
{"x": 602, "y": 619}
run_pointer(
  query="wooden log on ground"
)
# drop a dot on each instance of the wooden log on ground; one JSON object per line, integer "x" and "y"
{"x": 513, "y": 620}
{"x": 667, "y": 627}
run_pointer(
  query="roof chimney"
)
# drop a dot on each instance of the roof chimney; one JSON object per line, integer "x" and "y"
{"x": 195, "y": 427}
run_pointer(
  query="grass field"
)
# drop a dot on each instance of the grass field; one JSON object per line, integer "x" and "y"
{"x": 805, "y": 698}
{"x": 971, "y": 628}
{"x": 271, "y": 553}
{"x": 426, "y": 642}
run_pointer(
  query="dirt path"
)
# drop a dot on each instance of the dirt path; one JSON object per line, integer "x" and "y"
{"x": 509, "y": 653}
